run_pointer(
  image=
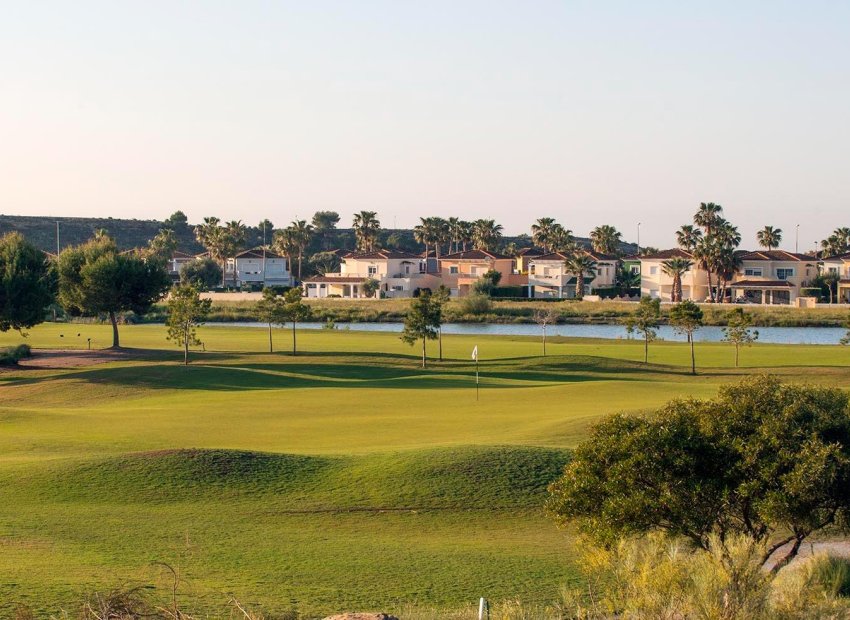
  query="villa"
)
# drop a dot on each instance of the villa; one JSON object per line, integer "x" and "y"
{"x": 258, "y": 268}
{"x": 772, "y": 277}
{"x": 840, "y": 266}
{"x": 657, "y": 284}
{"x": 461, "y": 270}
{"x": 398, "y": 274}
{"x": 548, "y": 275}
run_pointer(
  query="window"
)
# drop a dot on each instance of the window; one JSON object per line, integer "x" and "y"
{"x": 406, "y": 268}
{"x": 453, "y": 269}
{"x": 832, "y": 269}
{"x": 531, "y": 269}
{"x": 753, "y": 272}
{"x": 784, "y": 274}
{"x": 372, "y": 270}
{"x": 635, "y": 269}
{"x": 653, "y": 271}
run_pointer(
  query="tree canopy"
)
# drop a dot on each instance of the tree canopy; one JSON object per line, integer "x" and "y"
{"x": 762, "y": 459}
{"x": 186, "y": 310}
{"x": 94, "y": 278}
{"x": 27, "y": 283}
{"x": 422, "y": 321}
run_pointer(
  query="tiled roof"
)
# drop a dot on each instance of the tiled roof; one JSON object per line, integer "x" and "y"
{"x": 179, "y": 254}
{"x": 341, "y": 279}
{"x": 762, "y": 284}
{"x": 840, "y": 257}
{"x": 380, "y": 255}
{"x": 668, "y": 254}
{"x": 257, "y": 253}
{"x": 531, "y": 252}
{"x": 474, "y": 255}
{"x": 776, "y": 255}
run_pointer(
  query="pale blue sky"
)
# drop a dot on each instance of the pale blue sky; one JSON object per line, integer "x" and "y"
{"x": 590, "y": 112}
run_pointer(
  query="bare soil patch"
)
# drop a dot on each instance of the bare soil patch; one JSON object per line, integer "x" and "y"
{"x": 71, "y": 358}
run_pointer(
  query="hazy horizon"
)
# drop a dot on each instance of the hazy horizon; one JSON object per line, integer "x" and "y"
{"x": 591, "y": 114}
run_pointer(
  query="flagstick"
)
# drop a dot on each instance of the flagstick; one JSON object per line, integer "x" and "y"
{"x": 476, "y": 377}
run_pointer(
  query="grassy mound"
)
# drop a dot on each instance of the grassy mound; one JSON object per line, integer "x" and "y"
{"x": 446, "y": 478}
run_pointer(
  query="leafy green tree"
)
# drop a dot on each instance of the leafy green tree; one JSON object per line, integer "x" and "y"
{"x": 176, "y": 221}
{"x": 27, "y": 283}
{"x": 271, "y": 310}
{"x": 762, "y": 459}
{"x": 487, "y": 282}
{"x": 295, "y": 311}
{"x": 739, "y": 330}
{"x": 94, "y": 278}
{"x": 324, "y": 222}
{"x": 543, "y": 318}
{"x": 441, "y": 298}
{"x": 422, "y": 322}
{"x": 686, "y": 318}
{"x": 203, "y": 274}
{"x": 186, "y": 311}
{"x": 645, "y": 321}
{"x": 370, "y": 287}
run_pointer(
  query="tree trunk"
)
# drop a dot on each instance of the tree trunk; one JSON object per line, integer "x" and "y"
{"x": 271, "y": 350}
{"x": 645, "y": 348}
{"x": 544, "y": 341}
{"x": 440, "y": 341}
{"x": 693, "y": 359}
{"x": 300, "y": 256}
{"x": 424, "y": 364}
{"x": 115, "y": 343}
{"x": 736, "y": 354}
{"x": 186, "y": 346}
{"x": 579, "y": 287}
{"x": 710, "y": 289}
{"x": 792, "y": 553}
{"x": 294, "y": 349}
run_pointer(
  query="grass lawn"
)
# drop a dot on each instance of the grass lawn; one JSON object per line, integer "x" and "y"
{"x": 346, "y": 477}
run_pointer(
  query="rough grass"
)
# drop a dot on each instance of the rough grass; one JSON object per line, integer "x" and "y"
{"x": 343, "y": 478}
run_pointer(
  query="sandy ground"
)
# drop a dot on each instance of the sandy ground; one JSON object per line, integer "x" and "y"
{"x": 71, "y": 358}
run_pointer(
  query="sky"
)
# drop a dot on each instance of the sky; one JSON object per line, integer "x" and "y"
{"x": 590, "y": 112}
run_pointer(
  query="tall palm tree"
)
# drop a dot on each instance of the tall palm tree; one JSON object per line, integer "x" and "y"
{"x": 542, "y": 232}
{"x": 832, "y": 246}
{"x": 606, "y": 239}
{"x": 579, "y": 264}
{"x": 455, "y": 229}
{"x": 705, "y": 256}
{"x": 707, "y": 216}
{"x": 427, "y": 233}
{"x": 562, "y": 239}
{"x": 301, "y": 233}
{"x": 727, "y": 264}
{"x": 675, "y": 268}
{"x": 465, "y": 233}
{"x": 285, "y": 243}
{"x": 485, "y": 234}
{"x": 844, "y": 235}
{"x": 688, "y": 237}
{"x": 769, "y": 237}
{"x": 235, "y": 235}
{"x": 726, "y": 234}
{"x": 366, "y": 228}
{"x": 441, "y": 234}
{"x": 213, "y": 237}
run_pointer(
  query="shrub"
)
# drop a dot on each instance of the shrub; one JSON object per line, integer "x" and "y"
{"x": 12, "y": 355}
{"x": 513, "y": 292}
{"x": 475, "y": 304}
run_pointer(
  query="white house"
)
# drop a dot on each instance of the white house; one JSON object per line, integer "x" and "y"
{"x": 656, "y": 284}
{"x": 259, "y": 267}
{"x": 840, "y": 266}
{"x": 549, "y": 277}
{"x": 176, "y": 263}
{"x": 398, "y": 274}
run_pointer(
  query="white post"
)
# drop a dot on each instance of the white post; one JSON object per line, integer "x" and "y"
{"x": 482, "y": 605}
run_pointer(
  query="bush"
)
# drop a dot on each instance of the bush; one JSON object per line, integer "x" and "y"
{"x": 10, "y": 356}
{"x": 811, "y": 291}
{"x": 513, "y": 292}
{"x": 476, "y": 304}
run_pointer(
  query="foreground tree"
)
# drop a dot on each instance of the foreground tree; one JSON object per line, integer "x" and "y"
{"x": 27, "y": 283}
{"x": 686, "y": 318}
{"x": 764, "y": 460}
{"x": 270, "y": 310}
{"x": 422, "y": 322}
{"x": 94, "y": 278}
{"x": 543, "y": 318}
{"x": 294, "y": 311}
{"x": 441, "y": 299}
{"x": 645, "y": 321}
{"x": 186, "y": 311}
{"x": 739, "y": 330}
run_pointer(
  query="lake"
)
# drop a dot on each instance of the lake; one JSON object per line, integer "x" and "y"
{"x": 773, "y": 335}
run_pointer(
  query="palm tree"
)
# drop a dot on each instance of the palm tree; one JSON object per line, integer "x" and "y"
{"x": 832, "y": 246}
{"x": 844, "y": 235}
{"x": 485, "y": 233}
{"x": 606, "y": 239}
{"x": 675, "y": 268}
{"x": 727, "y": 264}
{"x": 441, "y": 233}
{"x": 688, "y": 237}
{"x": 769, "y": 237}
{"x": 426, "y": 232}
{"x": 285, "y": 243}
{"x": 465, "y": 233}
{"x": 543, "y": 231}
{"x": 235, "y": 234}
{"x": 726, "y": 234}
{"x": 212, "y": 236}
{"x": 301, "y": 233}
{"x": 562, "y": 239}
{"x": 707, "y": 216}
{"x": 579, "y": 264}
{"x": 455, "y": 229}
{"x": 366, "y": 228}
{"x": 704, "y": 254}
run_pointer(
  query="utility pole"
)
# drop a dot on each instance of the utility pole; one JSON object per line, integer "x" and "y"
{"x": 57, "y": 238}
{"x": 638, "y": 239}
{"x": 797, "y": 240}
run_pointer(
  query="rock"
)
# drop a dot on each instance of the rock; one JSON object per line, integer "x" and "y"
{"x": 361, "y": 616}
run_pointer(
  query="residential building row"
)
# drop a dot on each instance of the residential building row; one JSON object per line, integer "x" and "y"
{"x": 764, "y": 277}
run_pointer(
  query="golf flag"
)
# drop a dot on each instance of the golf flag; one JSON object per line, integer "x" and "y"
{"x": 475, "y": 353}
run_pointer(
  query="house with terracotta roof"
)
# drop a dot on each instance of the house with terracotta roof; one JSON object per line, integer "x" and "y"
{"x": 656, "y": 284}
{"x": 548, "y": 275}
{"x": 772, "y": 277}
{"x": 525, "y": 256}
{"x": 840, "y": 266}
{"x": 461, "y": 270}
{"x": 258, "y": 267}
{"x": 398, "y": 274}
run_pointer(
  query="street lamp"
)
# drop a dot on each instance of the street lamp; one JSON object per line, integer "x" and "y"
{"x": 797, "y": 240}
{"x": 638, "y": 239}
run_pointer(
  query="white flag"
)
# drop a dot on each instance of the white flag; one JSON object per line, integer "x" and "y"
{"x": 475, "y": 353}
